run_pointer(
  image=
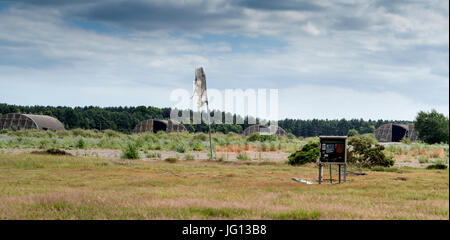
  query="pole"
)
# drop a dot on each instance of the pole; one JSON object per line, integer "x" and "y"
{"x": 345, "y": 172}
{"x": 339, "y": 173}
{"x": 320, "y": 173}
{"x": 209, "y": 130}
{"x": 331, "y": 177}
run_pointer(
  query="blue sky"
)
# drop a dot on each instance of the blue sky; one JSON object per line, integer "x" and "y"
{"x": 380, "y": 59}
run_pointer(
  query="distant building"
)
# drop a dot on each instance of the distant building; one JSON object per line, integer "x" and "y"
{"x": 394, "y": 132}
{"x": 17, "y": 121}
{"x": 155, "y": 125}
{"x": 261, "y": 129}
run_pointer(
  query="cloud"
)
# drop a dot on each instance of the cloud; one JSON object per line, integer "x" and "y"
{"x": 379, "y": 49}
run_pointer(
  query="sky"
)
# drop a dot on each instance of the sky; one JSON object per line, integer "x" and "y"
{"x": 328, "y": 59}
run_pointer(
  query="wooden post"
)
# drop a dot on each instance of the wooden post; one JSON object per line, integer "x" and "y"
{"x": 331, "y": 177}
{"x": 320, "y": 173}
{"x": 345, "y": 172}
{"x": 339, "y": 173}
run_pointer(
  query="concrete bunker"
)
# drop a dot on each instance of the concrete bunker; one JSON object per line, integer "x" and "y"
{"x": 18, "y": 121}
{"x": 261, "y": 129}
{"x": 156, "y": 125}
{"x": 395, "y": 132}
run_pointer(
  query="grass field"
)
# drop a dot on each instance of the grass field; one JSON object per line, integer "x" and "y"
{"x": 34, "y": 186}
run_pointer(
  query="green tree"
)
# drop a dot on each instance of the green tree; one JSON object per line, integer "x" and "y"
{"x": 432, "y": 127}
{"x": 352, "y": 132}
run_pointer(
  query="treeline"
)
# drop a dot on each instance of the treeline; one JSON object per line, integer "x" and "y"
{"x": 124, "y": 119}
{"x": 316, "y": 127}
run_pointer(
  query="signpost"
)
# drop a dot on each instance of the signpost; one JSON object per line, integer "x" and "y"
{"x": 333, "y": 151}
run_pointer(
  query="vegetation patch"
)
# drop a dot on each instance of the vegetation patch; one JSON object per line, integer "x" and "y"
{"x": 171, "y": 160}
{"x": 242, "y": 156}
{"x": 437, "y": 166}
{"x": 52, "y": 151}
{"x": 297, "y": 215}
{"x": 130, "y": 151}
{"x": 218, "y": 212}
{"x": 308, "y": 153}
{"x": 366, "y": 152}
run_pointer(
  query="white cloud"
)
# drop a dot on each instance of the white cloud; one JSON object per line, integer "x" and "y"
{"x": 390, "y": 63}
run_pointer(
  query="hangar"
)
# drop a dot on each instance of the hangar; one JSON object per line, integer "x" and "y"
{"x": 17, "y": 121}
{"x": 394, "y": 132}
{"x": 155, "y": 125}
{"x": 261, "y": 129}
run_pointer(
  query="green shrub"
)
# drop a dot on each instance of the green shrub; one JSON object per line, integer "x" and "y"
{"x": 157, "y": 147}
{"x": 171, "y": 160}
{"x": 423, "y": 159}
{"x": 44, "y": 144}
{"x": 153, "y": 155}
{"x": 4, "y": 131}
{"x": 197, "y": 145}
{"x": 367, "y": 152}
{"x": 273, "y": 147}
{"x": 406, "y": 140}
{"x": 253, "y": 137}
{"x": 352, "y": 132}
{"x": 308, "y": 153}
{"x": 263, "y": 147}
{"x": 188, "y": 156}
{"x": 200, "y": 137}
{"x": 290, "y": 136}
{"x": 437, "y": 166}
{"x": 80, "y": 143}
{"x": 130, "y": 151}
{"x": 267, "y": 138}
{"x": 242, "y": 156}
{"x": 374, "y": 156}
{"x": 180, "y": 147}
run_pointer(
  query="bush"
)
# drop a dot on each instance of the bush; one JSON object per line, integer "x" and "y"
{"x": 171, "y": 160}
{"x": 130, "y": 151}
{"x": 55, "y": 151}
{"x": 180, "y": 147}
{"x": 200, "y": 136}
{"x": 188, "y": 156}
{"x": 153, "y": 155}
{"x": 263, "y": 147}
{"x": 423, "y": 159}
{"x": 406, "y": 140}
{"x": 367, "y": 152}
{"x": 197, "y": 145}
{"x": 290, "y": 136}
{"x": 273, "y": 147}
{"x": 253, "y": 137}
{"x": 81, "y": 144}
{"x": 242, "y": 156}
{"x": 432, "y": 127}
{"x": 374, "y": 156}
{"x": 437, "y": 166}
{"x": 267, "y": 137}
{"x": 308, "y": 153}
{"x": 352, "y": 132}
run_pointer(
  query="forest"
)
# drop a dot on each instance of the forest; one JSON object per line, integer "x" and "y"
{"x": 124, "y": 119}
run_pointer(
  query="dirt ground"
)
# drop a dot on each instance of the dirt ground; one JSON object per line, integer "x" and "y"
{"x": 274, "y": 156}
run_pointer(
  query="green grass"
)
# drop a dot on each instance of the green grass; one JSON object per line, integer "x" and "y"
{"x": 108, "y": 139}
{"x": 297, "y": 215}
{"x": 242, "y": 156}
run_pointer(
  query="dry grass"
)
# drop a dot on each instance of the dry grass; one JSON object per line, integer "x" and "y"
{"x": 66, "y": 187}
